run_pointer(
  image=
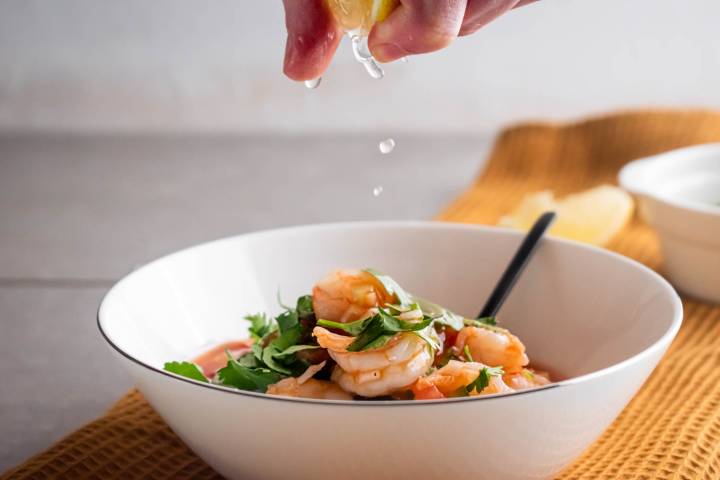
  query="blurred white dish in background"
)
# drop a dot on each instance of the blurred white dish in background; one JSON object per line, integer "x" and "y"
{"x": 598, "y": 321}
{"x": 679, "y": 196}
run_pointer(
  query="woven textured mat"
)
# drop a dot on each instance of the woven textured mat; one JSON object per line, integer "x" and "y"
{"x": 670, "y": 430}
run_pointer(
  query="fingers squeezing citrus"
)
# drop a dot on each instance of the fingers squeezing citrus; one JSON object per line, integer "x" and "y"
{"x": 360, "y": 15}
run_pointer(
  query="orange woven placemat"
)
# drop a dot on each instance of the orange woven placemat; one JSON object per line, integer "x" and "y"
{"x": 670, "y": 430}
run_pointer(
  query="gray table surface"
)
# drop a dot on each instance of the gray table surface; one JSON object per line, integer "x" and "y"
{"x": 78, "y": 212}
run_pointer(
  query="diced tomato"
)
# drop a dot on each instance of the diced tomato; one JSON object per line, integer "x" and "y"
{"x": 424, "y": 390}
{"x": 450, "y": 337}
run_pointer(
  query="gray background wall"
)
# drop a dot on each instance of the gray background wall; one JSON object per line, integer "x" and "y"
{"x": 191, "y": 65}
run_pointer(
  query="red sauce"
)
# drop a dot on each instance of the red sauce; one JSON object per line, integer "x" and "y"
{"x": 215, "y": 358}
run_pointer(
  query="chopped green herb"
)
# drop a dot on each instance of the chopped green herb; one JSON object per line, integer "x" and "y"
{"x": 385, "y": 324}
{"x": 260, "y": 325}
{"x": 250, "y": 359}
{"x": 488, "y": 323}
{"x": 304, "y": 306}
{"x": 467, "y": 353}
{"x": 430, "y": 336}
{"x": 246, "y": 378}
{"x": 268, "y": 359}
{"x": 442, "y": 315}
{"x": 286, "y": 339}
{"x": 483, "y": 378}
{"x": 277, "y": 340}
{"x": 294, "y": 349}
{"x": 353, "y": 328}
{"x": 186, "y": 369}
{"x": 375, "y": 331}
{"x": 257, "y": 351}
{"x": 380, "y": 341}
{"x": 287, "y": 321}
{"x": 275, "y": 354}
{"x": 397, "y": 309}
{"x": 391, "y": 286}
{"x": 461, "y": 392}
{"x": 528, "y": 374}
{"x": 272, "y": 355}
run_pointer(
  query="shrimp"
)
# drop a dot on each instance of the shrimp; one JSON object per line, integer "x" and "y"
{"x": 380, "y": 371}
{"x": 453, "y": 377}
{"x": 291, "y": 387}
{"x": 494, "y": 347}
{"x": 348, "y": 295}
{"x": 307, "y": 387}
{"x": 526, "y": 379}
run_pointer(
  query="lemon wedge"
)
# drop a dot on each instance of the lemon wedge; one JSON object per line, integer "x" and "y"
{"x": 382, "y": 9}
{"x": 361, "y": 15}
{"x": 594, "y": 216}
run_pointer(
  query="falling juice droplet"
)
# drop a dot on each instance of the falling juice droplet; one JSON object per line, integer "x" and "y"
{"x": 362, "y": 55}
{"x": 387, "y": 146}
{"x": 377, "y": 191}
{"x": 314, "y": 83}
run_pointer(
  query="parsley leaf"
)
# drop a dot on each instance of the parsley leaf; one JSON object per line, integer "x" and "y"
{"x": 272, "y": 355}
{"x": 304, "y": 306}
{"x": 268, "y": 358}
{"x": 186, "y": 369}
{"x": 442, "y": 315}
{"x": 287, "y": 321}
{"x": 282, "y": 343}
{"x": 275, "y": 353}
{"x": 460, "y": 392}
{"x": 353, "y": 328}
{"x": 377, "y": 330}
{"x": 384, "y": 324}
{"x": 481, "y": 322}
{"x": 391, "y": 287}
{"x": 249, "y": 360}
{"x": 492, "y": 321}
{"x": 429, "y": 334}
{"x": 247, "y": 378}
{"x": 380, "y": 341}
{"x": 483, "y": 378}
{"x": 294, "y": 349}
{"x": 260, "y": 325}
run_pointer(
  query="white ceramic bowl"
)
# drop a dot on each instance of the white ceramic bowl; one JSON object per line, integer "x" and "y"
{"x": 679, "y": 193}
{"x": 596, "y": 319}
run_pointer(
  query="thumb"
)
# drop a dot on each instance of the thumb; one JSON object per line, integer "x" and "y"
{"x": 417, "y": 26}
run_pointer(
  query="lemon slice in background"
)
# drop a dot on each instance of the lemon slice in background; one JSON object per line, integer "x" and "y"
{"x": 593, "y": 216}
{"x": 361, "y": 15}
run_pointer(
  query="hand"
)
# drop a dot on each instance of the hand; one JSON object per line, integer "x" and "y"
{"x": 416, "y": 26}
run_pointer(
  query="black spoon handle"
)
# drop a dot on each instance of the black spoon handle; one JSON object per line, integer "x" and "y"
{"x": 517, "y": 265}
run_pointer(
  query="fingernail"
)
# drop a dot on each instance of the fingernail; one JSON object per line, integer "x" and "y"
{"x": 387, "y": 52}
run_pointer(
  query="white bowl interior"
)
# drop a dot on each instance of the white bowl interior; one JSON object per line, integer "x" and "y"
{"x": 578, "y": 309}
{"x": 686, "y": 175}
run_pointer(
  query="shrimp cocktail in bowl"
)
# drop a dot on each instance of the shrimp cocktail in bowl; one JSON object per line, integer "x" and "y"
{"x": 360, "y": 335}
{"x": 379, "y": 367}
